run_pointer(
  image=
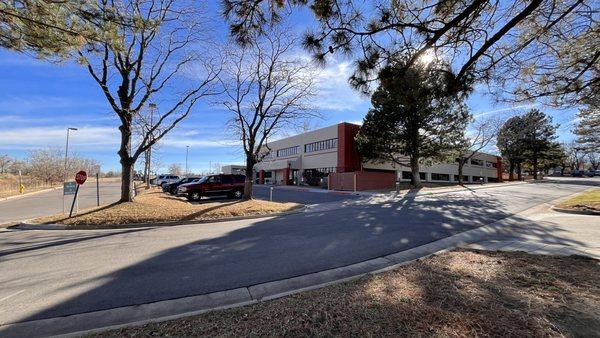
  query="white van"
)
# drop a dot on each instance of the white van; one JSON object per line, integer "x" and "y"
{"x": 164, "y": 179}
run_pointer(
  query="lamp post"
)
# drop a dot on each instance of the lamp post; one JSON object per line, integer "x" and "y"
{"x": 67, "y": 150}
{"x": 187, "y": 148}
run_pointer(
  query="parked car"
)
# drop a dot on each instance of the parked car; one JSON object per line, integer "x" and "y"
{"x": 577, "y": 173}
{"x": 164, "y": 179}
{"x": 589, "y": 173}
{"x": 171, "y": 188}
{"x": 214, "y": 185}
{"x": 597, "y": 172}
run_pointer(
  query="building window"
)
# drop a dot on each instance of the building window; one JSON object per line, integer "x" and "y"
{"x": 478, "y": 179}
{"x": 422, "y": 176}
{"x": 406, "y": 175}
{"x": 492, "y": 179}
{"x": 476, "y": 161}
{"x": 491, "y": 164}
{"x": 320, "y": 145}
{"x": 287, "y": 151}
{"x": 465, "y": 178}
{"x": 440, "y": 177}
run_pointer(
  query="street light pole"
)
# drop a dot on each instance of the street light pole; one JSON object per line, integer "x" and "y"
{"x": 67, "y": 150}
{"x": 187, "y": 148}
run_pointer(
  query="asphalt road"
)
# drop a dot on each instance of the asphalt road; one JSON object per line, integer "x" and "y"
{"x": 51, "y": 202}
{"x": 55, "y": 273}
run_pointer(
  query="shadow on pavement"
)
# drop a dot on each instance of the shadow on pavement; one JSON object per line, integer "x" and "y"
{"x": 289, "y": 246}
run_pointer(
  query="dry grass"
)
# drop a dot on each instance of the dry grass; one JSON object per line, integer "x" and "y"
{"x": 9, "y": 185}
{"x": 589, "y": 200}
{"x": 464, "y": 293}
{"x": 154, "y": 206}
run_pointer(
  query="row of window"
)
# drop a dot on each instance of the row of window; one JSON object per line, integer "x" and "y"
{"x": 320, "y": 145}
{"x": 287, "y": 151}
{"x": 309, "y": 147}
{"x": 476, "y": 161}
{"x": 407, "y": 175}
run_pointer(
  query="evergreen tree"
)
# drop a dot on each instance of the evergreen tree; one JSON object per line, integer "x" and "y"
{"x": 418, "y": 115}
{"x": 511, "y": 145}
{"x": 55, "y": 29}
{"x": 539, "y": 135}
{"x": 588, "y": 128}
{"x": 530, "y": 138}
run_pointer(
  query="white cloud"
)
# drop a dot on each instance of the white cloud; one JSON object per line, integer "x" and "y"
{"x": 334, "y": 92}
{"x": 505, "y": 109}
{"x": 85, "y": 138}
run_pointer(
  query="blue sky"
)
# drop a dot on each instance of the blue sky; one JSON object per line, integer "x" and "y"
{"x": 39, "y": 100}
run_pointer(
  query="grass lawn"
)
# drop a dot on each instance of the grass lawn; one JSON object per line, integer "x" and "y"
{"x": 589, "y": 200}
{"x": 155, "y": 206}
{"x": 463, "y": 293}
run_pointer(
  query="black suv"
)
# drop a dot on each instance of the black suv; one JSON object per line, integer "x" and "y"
{"x": 214, "y": 185}
{"x": 172, "y": 187}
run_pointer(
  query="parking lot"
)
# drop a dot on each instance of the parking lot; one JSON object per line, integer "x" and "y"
{"x": 303, "y": 196}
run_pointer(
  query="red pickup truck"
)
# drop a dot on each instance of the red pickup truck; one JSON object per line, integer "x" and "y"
{"x": 214, "y": 185}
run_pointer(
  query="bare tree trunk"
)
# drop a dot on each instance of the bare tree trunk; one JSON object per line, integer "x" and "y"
{"x": 249, "y": 179}
{"x": 461, "y": 164}
{"x": 511, "y": 171}
{"x": 126, "y": 163}
{"x": 415, "y": 180}
{"x": 535, "y": 167}
{"x": 126, "y": 181}
{"x": 519, "y": 175}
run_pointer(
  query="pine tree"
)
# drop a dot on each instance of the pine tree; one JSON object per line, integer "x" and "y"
{"x": 418, "y": 115}
{"x": 588, "y": 128}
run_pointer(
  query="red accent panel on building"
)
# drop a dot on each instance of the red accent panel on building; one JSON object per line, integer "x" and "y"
{"x": 261, "y": 177}
{"x": 362, "y": 180}
{"x": 347, "y": 157}
{"x": 499, "y": 169}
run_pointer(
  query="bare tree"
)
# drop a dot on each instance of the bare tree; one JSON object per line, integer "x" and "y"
{"x": 576, "y": 155}
{"x": 484, "y": 133}
{"x": 266, "y": 88}
{"x": 175, "y": 169}
{"x": 164, "y": 45}
{"x": 5, "y": 162}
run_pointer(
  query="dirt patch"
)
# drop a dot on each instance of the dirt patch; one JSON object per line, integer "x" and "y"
{"x": 460, "y": 293}
{"x": 155, "y": 206}
{"x": 587, "y": 201}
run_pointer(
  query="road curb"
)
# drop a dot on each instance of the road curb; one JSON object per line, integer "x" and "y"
{"x": 31, "y": 226}
{"x": 97, "y": 321}
{"x": 577, "y": 212}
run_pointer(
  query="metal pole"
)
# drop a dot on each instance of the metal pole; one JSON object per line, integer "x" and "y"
{"x": 98, "y": 189}
{"x": 271, "y": 194}
{"x": 187, "y": 148}
{"x": 66, "y": 154}
{"x": 74, "y": 199}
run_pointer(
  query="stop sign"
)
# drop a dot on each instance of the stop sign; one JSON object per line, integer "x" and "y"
{"x": 80, "y": 177}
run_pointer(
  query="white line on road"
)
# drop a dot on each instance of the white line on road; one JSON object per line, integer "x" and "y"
{"x": 14, "y": 294}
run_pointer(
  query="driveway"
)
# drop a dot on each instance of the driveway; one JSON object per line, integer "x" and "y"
{"x": 46, "y": 274}
{"x": 298, "y": 195}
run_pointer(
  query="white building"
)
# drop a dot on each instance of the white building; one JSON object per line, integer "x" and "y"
{"x": 319, "y": 153}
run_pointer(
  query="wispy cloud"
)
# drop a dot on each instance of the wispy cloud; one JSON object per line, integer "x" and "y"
{"x": 334, "y": 92}
{"x": 86, "y": 138}
{"x": 505, "y": 109}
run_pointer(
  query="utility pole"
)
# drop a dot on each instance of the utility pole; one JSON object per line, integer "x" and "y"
{"x": 67, "y": 151}
{"x": 187, "y": 148}
{"x": 66, "y": 162}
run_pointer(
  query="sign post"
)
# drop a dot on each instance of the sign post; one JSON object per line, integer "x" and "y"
{"x": 80, "y": 178}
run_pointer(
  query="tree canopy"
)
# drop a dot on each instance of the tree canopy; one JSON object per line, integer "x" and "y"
{"x": 56, "y": 28}
{"x": 549, "y": 46}
{"x": 418, "y": 114}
